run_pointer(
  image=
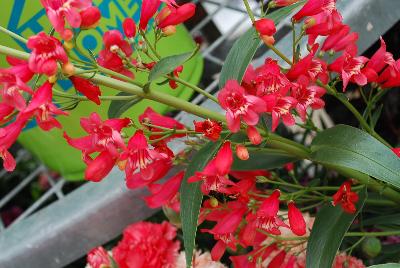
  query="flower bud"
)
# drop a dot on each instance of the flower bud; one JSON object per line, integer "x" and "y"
{"x": 165, "y": 12}
{"x": 265, "y": 27}
{"x": 242, "y": 152}
{"x": 90, "y": 18}
{"x": 309, "y": 23}
{"x": 52, "y": 79}
{"x": 371, "y": 247}
{"x": 67, "y": 35}
{"x": 253, "y": 135}
{"x": 129, "y": 27}
{"x": 122, "y": 164}
{"x": 68, "y": 69}
{"x": 268, "y": 40}
{"x": 169, "y": 30}
{"x": 68, "y": 45}
{"x": 296, "y": 220}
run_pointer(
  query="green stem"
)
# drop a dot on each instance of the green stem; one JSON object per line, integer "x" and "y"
{"x": 354, "y": 111}
{"x": 143, "y": 34}
{"x": 83, "y": 98}
{"x": 13, "y": 35}
{"x": 387, "y": 233}
{"x": 248, "y": 9}
{"x": 194, "y": 87}
{"x": 279, "y": 53}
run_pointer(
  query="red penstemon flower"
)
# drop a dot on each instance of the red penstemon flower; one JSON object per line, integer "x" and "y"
{"x": 269, "y": 79}
{"x": 346, "y": 198}
{"x": 173, "y": 15}
{"x": 11, "y": 89}
{"x": 265, "y": 26}
{"x": 280, "y": 108}
{"x": 396, "y": 151}
{"x": 340, "y": 40}
{"x": 46, "y": 52}
{"x": 129, "y": 27}
{"x": 239, "y": 105}
{"x": 210, "y": 128}
{"x": 98, "y": 258}
{"x": 42, "y": 107}
{"x": 172, "y": 83}
{"x": 5, "y": 111}
{"x": 314, "y": 7}
{"x": 87, "y": 88}
{"x": 90, "y": 17}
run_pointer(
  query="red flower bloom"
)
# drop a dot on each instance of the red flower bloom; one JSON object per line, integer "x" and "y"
{"x": 171, "y": 16}
{"x": 350, "y": 67}
{"x": 11, "y": 89}
{"x": 340, "y": 40}
{"x": 146, "y": 244}
{"x": 129, "y": 27}
{"x": 265, "y": 26}
{"x": 155, "y": 119}
{"x": 90, "y": 17}
{"x": 8, "y": 135}
{"x": 98, "y": 258}
{"x": 98, "y": 168}
{"x": 5, "y": 111}
{"x": 87, "y": 88}
{"x": 176, "y": 72}
{"x": 20, "y": 68}
{"x": 313, "y": 7}
{"x": 210, "y": 128}
{"x": 323, "y": 24}
{"x": 239, "y": 105}
{"x": 307, "y": 96}
{"x": 60, "y": 10}
{"x": 296, "y": 220}
{"x": 280, "y": 107}
{"x": 155, "y": 171}
{"x": 253, "y": 135}
{"x": 346, "y": 198}
{"x": 283, "y": 3}
{"x": 46, "y": 52}
{"x": 43, "y": 108}
{"x": 277, "y": 261}
{"x": 163, "y": 194}
{"x": 214, "y": 175}
{"x": 149, "y": 8}
{"x": 241, "y": 152}
{"x": 269, "y": 79}
{"x": 396, "y": 151}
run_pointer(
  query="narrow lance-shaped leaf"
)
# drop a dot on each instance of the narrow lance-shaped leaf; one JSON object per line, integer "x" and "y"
{"x": 244, "y": 49}
{"x": 386, "y": 265}
{"x": 118, "y": 107}
{"x": 330, "y": 226}
{"x": 263, "y": 159}
{"x": 348, "y": 147}
{"x": 191, "y": 197}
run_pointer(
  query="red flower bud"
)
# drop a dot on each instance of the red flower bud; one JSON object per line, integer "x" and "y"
{"x": 242, "y": 152}
{"x": 296, "y": 220}
{"x": 254, "y": 136}
{"x": 90, "y": 17}
{"x": 265, "y": 27}
{"x": 129, "y": 27}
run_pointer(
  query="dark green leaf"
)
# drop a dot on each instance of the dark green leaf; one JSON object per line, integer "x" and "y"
{"x": 386, "y": 265}
{"x": 244, "y": 49}
{"x": 118, "y": 107}
{"x": 385, "y": 219}
{"x": 168, "y": 64}
{"x": 263, "y": 159}
{"x": 191, "y": 197}
{"x": 330, "y": 226}
{"x": 348, "y": 147}
{"x": 376, "y": 115}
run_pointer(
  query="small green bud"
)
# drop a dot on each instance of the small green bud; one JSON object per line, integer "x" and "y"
{"x": 371, "y": 247}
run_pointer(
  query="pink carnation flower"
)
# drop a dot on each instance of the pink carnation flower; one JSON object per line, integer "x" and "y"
{"x": 147, "y": 245}
{"x": 201, "y": 260}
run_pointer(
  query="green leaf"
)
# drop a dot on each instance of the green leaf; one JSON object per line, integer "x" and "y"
{"x": 386, "y": 265}
{"x": 263, "y": 159}
{"x": 330, "y": 226}
{"x": 168, "y": 64}
{"x": 244, "y": 49}
{"x": 118, "y": 107}
{"x": 385, "y": 219}
{"x": 348, "y": 147}
{"x": 191, "y": 197}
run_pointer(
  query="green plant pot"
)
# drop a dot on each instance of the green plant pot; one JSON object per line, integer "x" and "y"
{"x": 27, "y": 17}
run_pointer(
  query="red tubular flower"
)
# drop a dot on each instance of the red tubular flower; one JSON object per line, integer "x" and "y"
{"x": 5, "y": 111}
{"x": 238, "y": 104}
{"x": 269, "y": 79}
{"x": 8, "y": 135}
{"x": 163, "y": 194}
{"x": 176, "y": 72}
{"x": 98, "y": 258}
{"x": 346, "y": 198}
{"x": 350, "y": 67}
{"x": 313, "y": 7}
{"x": 280, "y": 107}
{"x": 340, "y": 40}
{"x": 214, "y": 175}
{"x": 129, "y": 27}
{"x": 155, "y": 119}
{"x": 296, "y": 220}
{"x": 282, "y": 3}
{"x": 210, "y": 128}
{"x": 87, "y": 88}
{"x": 175, "y": 15}
{"x": 149, "y": 8}
{"x": 307, "y": 96}
{"x": 98, "y": 168}
{"x": 43, "y": 108}
{"x": 265, "y": 26}
{"x": 11, "y": 89}
{"x": 46, "y": 52}
{"x": 60, "y": 10}
{"x": 267, "y": 215}
{"x": 90, "y": 17}
{"x": 323, "y": 24}
{"x": 155, "y": 171}
{"x": 390, "y": 77}
{"x": 20, "y": 68}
